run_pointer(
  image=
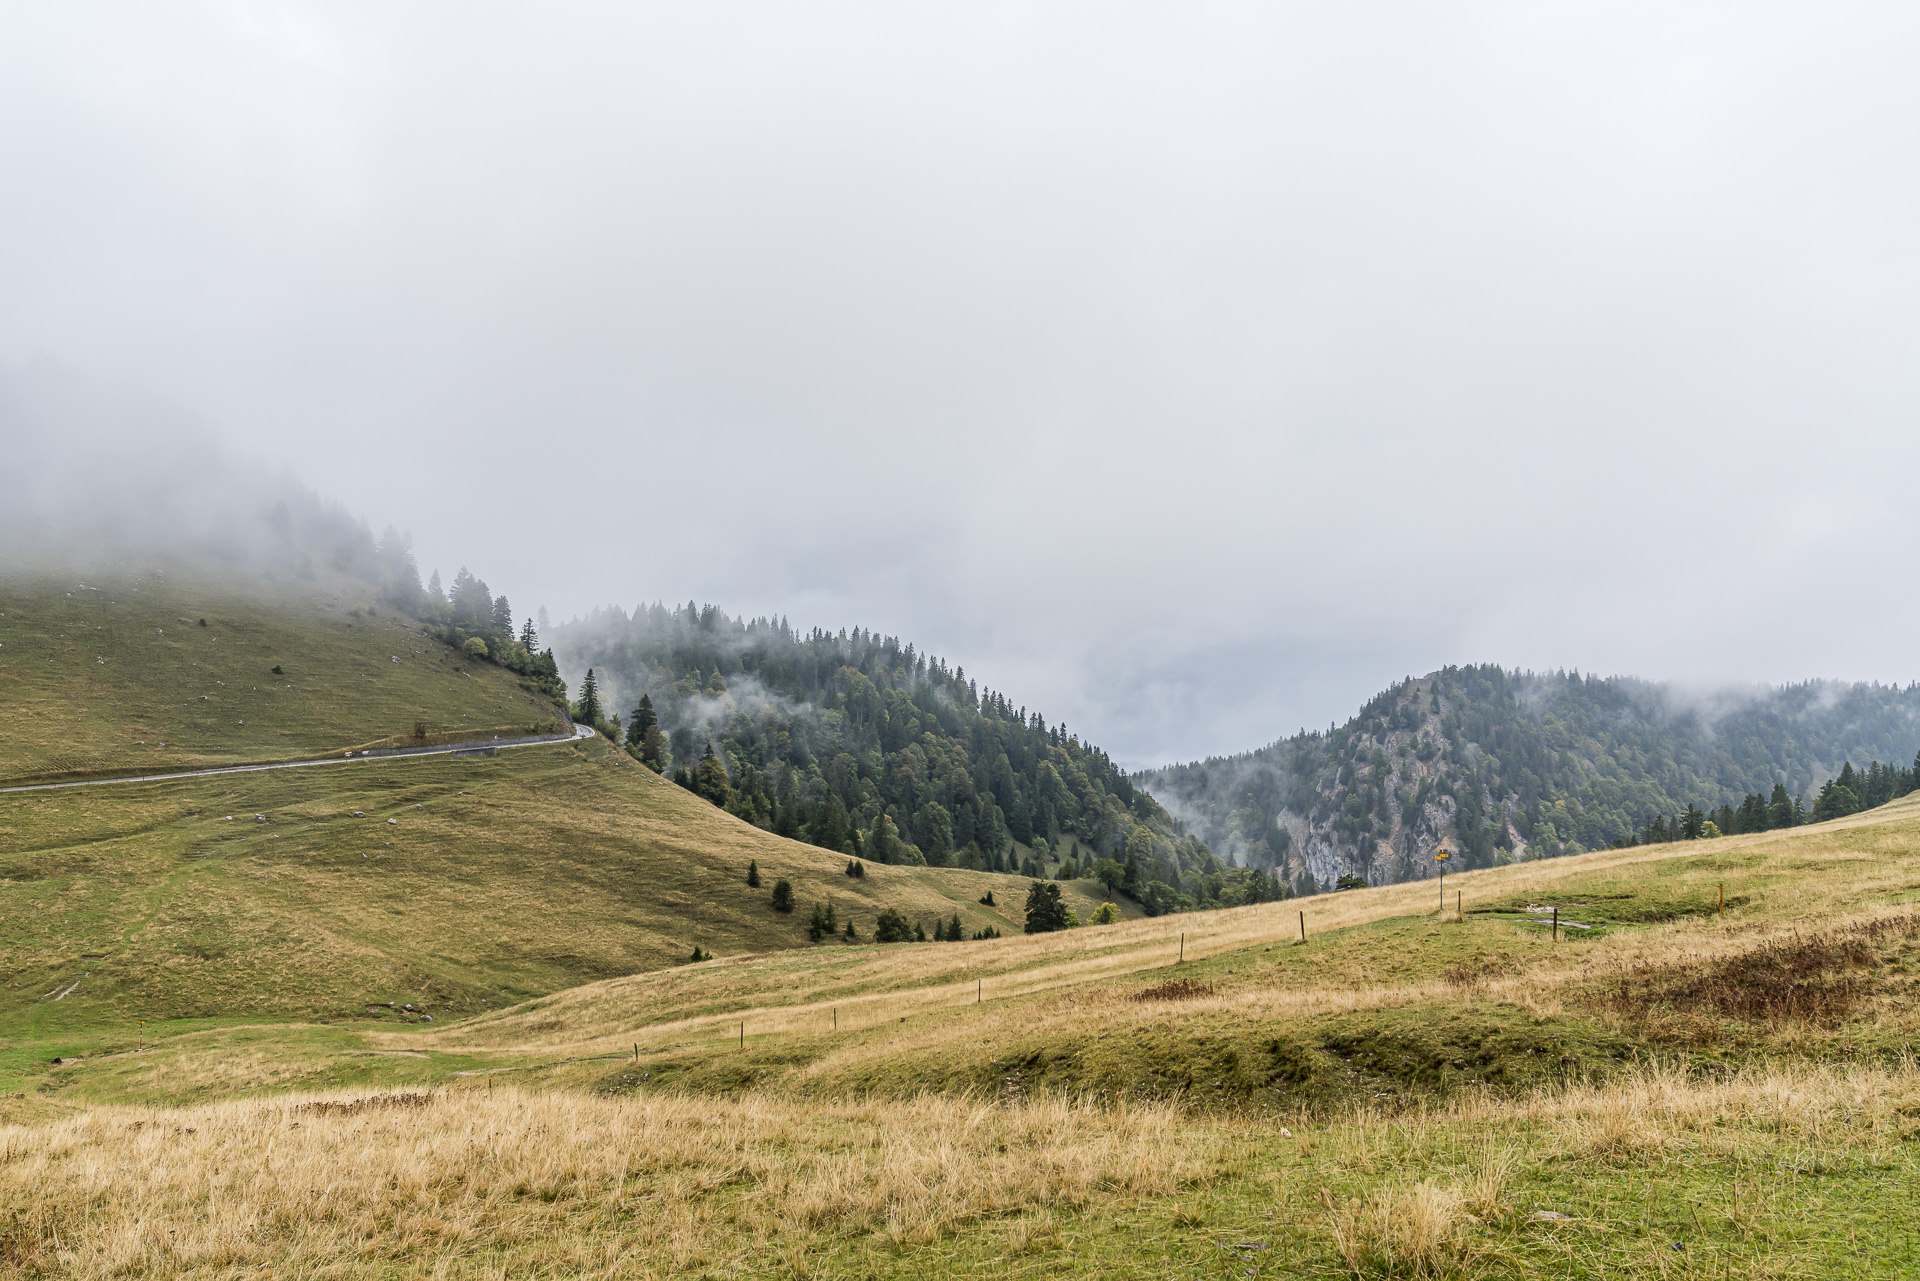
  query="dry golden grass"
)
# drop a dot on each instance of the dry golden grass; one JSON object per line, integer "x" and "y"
{"x": 509, "y": 1184}
{"x": 513, "y": 1184}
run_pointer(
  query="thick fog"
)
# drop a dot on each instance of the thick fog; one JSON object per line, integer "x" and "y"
{"x": 1189, "y": 372}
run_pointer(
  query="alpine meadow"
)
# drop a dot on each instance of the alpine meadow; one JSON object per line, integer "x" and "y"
{"x": 859, "y": 642}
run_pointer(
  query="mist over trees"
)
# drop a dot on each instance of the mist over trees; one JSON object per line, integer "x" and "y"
{"x": 1505, "y": 765}
{"x": 859, "y": 743}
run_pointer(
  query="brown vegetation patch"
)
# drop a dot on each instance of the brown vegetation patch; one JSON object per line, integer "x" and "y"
{"x": 1174, "y": 990}
{"x": 372, "y": 1103}
{"x": 520, "y": 1184}
{"x": 1814, "y": 979}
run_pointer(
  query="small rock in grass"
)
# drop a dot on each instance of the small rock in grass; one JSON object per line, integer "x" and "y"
{"x": 1550, "y": 1216}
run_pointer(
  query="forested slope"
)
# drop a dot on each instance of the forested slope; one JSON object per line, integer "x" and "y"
{"x": 1501, "y": 765}
{"x": 859, "y": 743}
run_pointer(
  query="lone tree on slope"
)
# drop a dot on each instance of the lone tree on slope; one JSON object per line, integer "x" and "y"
{"x": 589, "y": 713}
{"x": 1045, "y": 910}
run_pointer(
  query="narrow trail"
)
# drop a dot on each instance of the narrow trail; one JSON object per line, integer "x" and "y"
{"x": 383, "y": 754}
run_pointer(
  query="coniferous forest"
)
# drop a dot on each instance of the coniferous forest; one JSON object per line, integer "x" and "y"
{"x": 1502, "y": 765}
{"x": 860, "y": 743}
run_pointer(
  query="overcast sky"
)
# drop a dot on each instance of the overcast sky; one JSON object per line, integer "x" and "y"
{"x": 1189, "y": 371}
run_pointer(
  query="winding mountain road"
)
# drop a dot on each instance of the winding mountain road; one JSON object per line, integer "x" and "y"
{"x": 352, "y": 758}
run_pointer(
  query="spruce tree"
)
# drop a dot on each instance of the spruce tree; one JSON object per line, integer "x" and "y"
{"x": 1045, "y": 910}
{"x": 1780, "y": 808}
{"x": 642, "y": 719}
{"x": 783, "y": 895}
{"x": 589, "y": 709}
{"x": 753, "y": 873}
{"x": 710, "y": 779}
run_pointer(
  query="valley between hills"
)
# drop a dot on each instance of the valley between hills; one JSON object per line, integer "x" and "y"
{"x": 439, "y": 1016}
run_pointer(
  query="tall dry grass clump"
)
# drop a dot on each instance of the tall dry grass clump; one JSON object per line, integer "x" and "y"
{"x": 1412, "y": 1232}
{"x": 514, "y": 1184}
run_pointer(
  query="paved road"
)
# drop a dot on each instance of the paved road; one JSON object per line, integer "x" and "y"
{"x": 383, "y": 754}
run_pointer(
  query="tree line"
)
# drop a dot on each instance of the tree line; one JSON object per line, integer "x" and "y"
{"x": 468, "y": 616}
{"x": 860, "y": 743}
{"x": 1850, "y": 791}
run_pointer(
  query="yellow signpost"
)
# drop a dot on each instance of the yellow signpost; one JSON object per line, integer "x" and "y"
{"x": 1441, "y": 856}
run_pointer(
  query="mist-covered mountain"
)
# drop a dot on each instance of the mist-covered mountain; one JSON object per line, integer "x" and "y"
{"x": 1503, "y": 765}
{"x": 860, "y": 743}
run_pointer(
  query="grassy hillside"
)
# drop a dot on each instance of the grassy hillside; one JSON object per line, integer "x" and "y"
{"x": 453, "y": 884}
{"x": 113, "y": 671}
{"x": 1669, "y": 1092}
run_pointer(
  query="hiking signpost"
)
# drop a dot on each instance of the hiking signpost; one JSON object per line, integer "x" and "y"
{"x": 1440, "y": 857}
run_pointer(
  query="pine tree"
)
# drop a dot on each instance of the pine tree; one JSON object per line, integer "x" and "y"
{"x": 851, "y": 936}
{"x": 1045, "y": 910}
{"x": 530, "y": 639}
{"x": 589, "y": 710}
{"x": 642, "y": 719}
{"x": 830, "y": 826}
{"x": 1780, "y": 808}
{"x": 753, "y": 873}
{"x": 710, "y": 778}
{"x": 783, "y": 895}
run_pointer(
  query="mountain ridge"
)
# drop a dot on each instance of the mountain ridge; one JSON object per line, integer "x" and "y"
{"x": 1503, "y": 765}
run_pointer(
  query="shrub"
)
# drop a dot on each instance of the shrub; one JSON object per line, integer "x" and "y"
{"x": 1105, "y": 914}
{"x": 891, "y": 927}
{"x": 277, "y": 671}
{"x": 987, "y": 899}
{"x": 783, "y": 895}
{"x": 475, "y": 647}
